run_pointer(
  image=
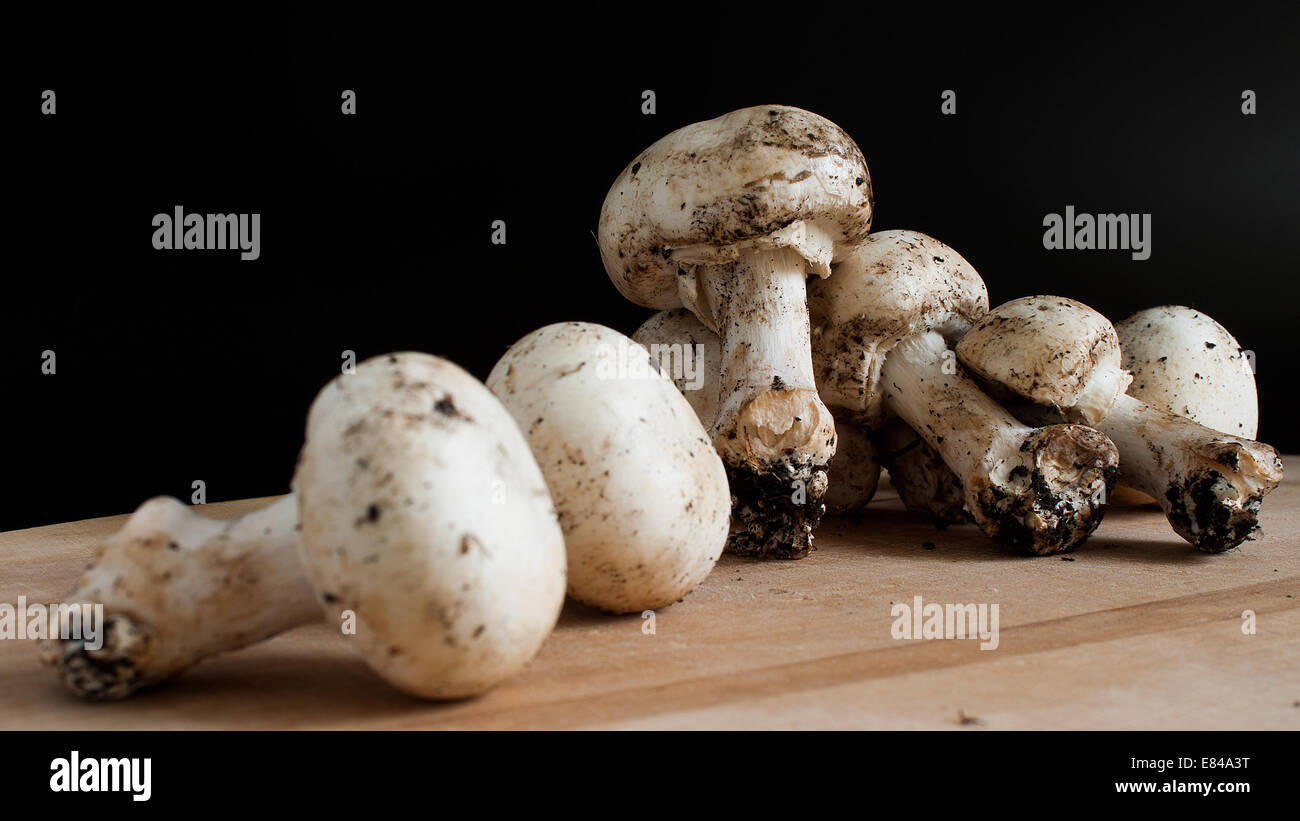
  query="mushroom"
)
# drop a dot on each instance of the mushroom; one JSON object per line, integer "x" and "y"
{"x": 1065, "y": 357}
{"x": 882, "y": 326}
{"x": 1184, "y": 362}
{"x": 641, "y": 493}
{"x": 422, "y": 513}
{"x": 924, "y": 483}
{"x": 727, "y": 218}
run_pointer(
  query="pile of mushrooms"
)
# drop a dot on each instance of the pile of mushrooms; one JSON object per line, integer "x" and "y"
{"x": 446, "y": 519}
{"x": 1060, "y": 359}
{"x": 720, "y": 224}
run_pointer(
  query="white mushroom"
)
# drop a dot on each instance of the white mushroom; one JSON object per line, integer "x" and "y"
{"x": 1065, "y": 357}
{"x": 882, "y": 327}
{"x": 641, "y": 493}
{"x": 688, "y": 353}
{"x": 422, "y": 512}
{"x": 727, "y": 218}
{"x": 1184, "y": 362}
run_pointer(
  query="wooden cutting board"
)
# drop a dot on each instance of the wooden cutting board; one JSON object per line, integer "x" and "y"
{"x": 1135, "y": 630}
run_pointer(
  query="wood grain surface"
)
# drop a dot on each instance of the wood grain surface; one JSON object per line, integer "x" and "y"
{"x": 1135, "y": 630}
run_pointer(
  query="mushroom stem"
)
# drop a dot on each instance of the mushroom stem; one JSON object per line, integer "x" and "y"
{"x": 775, "y": 436}
{"x": 178, "y": 587}
{"x": 1208, "y": 483}
{"x": 1036, "y": 490}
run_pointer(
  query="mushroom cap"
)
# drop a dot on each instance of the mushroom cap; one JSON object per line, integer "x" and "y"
{"x": 893, "y": 285}
{"x": 641, "y": 493}
{"x": 1188, "y": 364}
{"x": 855, "y": 473}
{"x": 669, "y": 334}
{"x": 424, "y": 513}
{"x": 1051, "y": 350}
{"x": 763, "y": 177}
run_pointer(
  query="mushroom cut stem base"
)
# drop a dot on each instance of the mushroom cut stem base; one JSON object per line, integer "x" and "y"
{"x": 767, "y": 399}
{"x": 1209, "y": 484}
{"x": 774, "y": 434}
{"x": 775, "y": 509}
{"x": 178, "y": 587}
{"x": 1035, "y": 490}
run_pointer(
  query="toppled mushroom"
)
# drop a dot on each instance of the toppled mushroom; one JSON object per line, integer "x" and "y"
{"x": 924, "y": 483}
{"x": 422, "y": 512}
{"x": 641, "y": 493}
{"x": 1184, "y": 362}
{"x": 882, "y": 326}
{"x": 1064, "y": 357}
{"x": 727, "y": 218}
{"x": 688, "y": 353}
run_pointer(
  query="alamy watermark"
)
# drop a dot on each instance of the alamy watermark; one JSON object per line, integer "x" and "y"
{"x": 919, "y": 620}
{"x": 208, "y": 232}
{"x": 1102, "y": 232}
{"x": 77, "y": 774}
{"x": 81, "y": 621}
{"x": 678, "y": 361}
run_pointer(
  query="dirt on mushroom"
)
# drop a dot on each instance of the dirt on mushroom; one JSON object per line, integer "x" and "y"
{"x": 727, "y": 218}
{"x": 1063, "y": 359}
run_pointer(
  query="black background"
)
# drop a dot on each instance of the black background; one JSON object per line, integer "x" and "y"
{"x": 176, "y": 366}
